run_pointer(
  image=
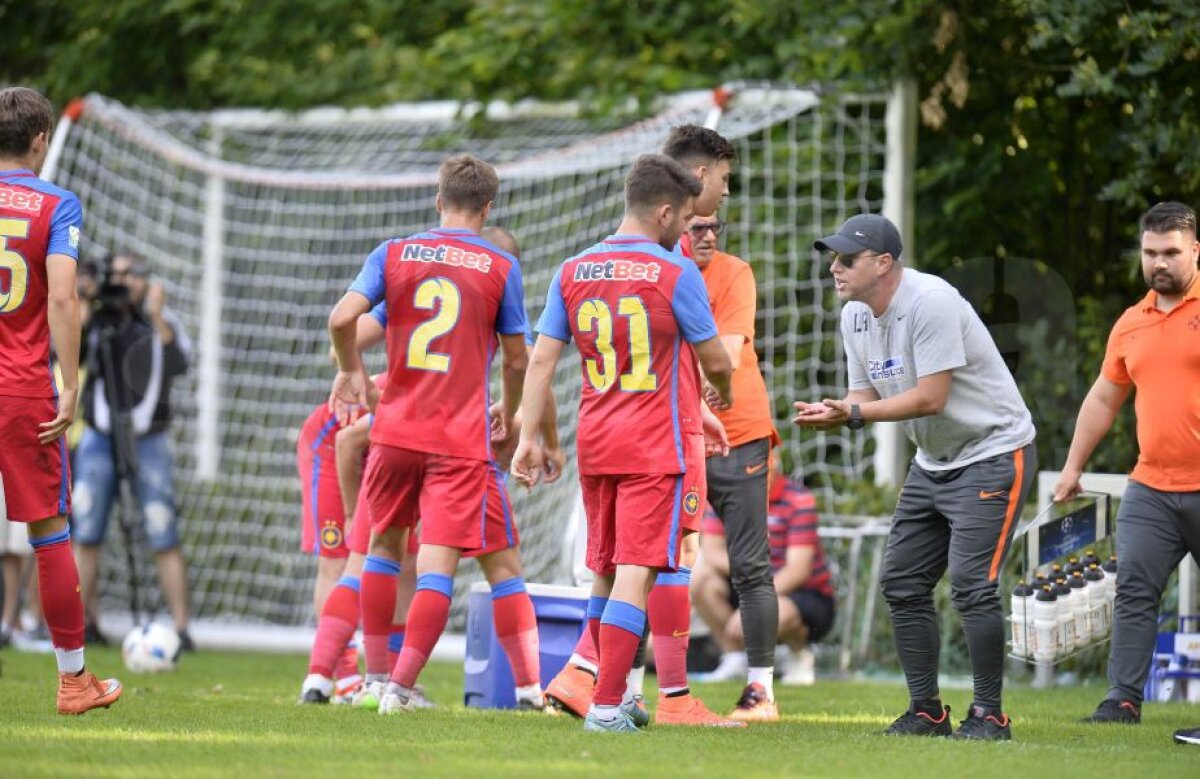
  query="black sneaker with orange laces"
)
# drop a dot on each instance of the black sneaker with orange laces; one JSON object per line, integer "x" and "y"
{"x": 1116, "y": 710}
{"x": 921, "y": 721}
{"x": 984, "y": 724}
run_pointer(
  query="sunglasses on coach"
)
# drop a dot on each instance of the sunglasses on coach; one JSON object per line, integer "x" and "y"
{"x": 698, "y": 230}
{"x": 848, "y": 260}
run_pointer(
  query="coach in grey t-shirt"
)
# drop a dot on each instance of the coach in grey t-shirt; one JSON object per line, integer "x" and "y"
{"x": 917, "y": 353}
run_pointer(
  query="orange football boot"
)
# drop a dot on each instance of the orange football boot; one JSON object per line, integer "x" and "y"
{"x": 82, "y": 693}
{"x": 572, "y": 691}
{"x": 690, "y": 710}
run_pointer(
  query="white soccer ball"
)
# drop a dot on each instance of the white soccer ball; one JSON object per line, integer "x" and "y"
{"x": 151, "y": 648}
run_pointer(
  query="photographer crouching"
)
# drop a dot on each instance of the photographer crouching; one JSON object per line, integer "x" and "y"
{"x": 134, "y": 347}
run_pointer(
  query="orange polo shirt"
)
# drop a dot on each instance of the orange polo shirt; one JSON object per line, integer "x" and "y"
{"x": 1159, "y": 353}
{"x": 733, "y": 298}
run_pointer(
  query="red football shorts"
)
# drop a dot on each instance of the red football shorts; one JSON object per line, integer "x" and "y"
{"x": 500, "y": 530}
{"x": 36, "y": 479}
{"x": 323, "y": 529}
{"x": 447, "y": 494}
{"x": 638, "y": 520}
{"x": 359, "y": 541}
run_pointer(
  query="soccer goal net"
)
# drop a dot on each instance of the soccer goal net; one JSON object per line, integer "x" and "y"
{"x": 256, "y": 221}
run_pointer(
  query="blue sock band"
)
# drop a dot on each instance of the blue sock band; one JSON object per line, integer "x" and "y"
{"x": 381, "y": 565}
{"x": 595, "y": 607}
{"x": 396, "y": 641}
{"x": 350, "y": 582}
{"x": 625, "y": 616}
{"x": 680, "y": 578}
{"x": 508, "y": 587}
{"x": 58, "y": 538}
{"x": 438, "y": 582}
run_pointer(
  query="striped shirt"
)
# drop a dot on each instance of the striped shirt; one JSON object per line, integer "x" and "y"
{"x": 792, "y": 520}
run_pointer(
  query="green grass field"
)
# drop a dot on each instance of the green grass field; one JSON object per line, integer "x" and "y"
{"x": 225, "y": 714}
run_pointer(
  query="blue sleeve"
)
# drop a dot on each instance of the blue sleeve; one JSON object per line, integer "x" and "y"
{"x": 66, "y": 227}
{"x": 554, "y": 322}
{"x": 370, "y": 282}
{"x": 690, "y": 304}
{"x": 379, "y": 314}
{"x": 511, "y": 318}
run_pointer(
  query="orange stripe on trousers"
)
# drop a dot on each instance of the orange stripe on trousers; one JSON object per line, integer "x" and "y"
{"x": 1014, "y": 499}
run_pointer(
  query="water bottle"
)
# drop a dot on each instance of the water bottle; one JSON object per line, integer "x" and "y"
{"x": 1066, "y": 616}
{"x": 1079, "y": 608}
{"x": 1022, "y": 617}
{"x": 1073, "y": 565}
{"x": 1043, "y": 641}
{"x": 1110, "y": 584}
{"x": 1090, "y": 558}
{"x": 1097, "y": 602}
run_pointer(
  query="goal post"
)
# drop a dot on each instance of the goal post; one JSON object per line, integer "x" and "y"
{"x": 256, "y": 222}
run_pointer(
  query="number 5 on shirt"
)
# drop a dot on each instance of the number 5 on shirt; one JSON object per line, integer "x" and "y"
{"x": 12, "y": 295}
{"x": 596, "y": 316}
{"x": 429, "y": 294}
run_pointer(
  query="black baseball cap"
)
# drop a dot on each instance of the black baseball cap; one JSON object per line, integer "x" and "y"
{"x": 863, "y": 232}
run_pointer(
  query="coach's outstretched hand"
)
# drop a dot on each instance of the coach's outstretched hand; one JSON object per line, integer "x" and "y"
{"x": 527, "y": 462}
{"x": 825, "y": 415}
{"x": 353, "y": 395}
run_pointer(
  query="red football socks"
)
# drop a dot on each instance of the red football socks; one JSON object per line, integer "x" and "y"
{"x": 58, "y": 583}
{"x": 336, "y": 627}
{"x": 669, "y": 611}
{"x": 516, "y": 628}
{"x": 426, "y": 621}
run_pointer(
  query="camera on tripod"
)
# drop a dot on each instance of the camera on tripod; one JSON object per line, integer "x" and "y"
{"x": 111, "y": 299}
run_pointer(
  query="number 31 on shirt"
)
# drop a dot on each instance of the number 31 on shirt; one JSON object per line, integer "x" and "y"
{"x": 596, "y": 316}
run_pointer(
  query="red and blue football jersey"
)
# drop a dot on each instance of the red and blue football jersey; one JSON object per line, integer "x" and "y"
{"x": 633, "y": 308}
{"x": 448, "y": 293}
{"x": 37, "y": 219}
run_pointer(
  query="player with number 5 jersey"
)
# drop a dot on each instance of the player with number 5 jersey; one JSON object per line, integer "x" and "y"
{"x": 40, "y": 226}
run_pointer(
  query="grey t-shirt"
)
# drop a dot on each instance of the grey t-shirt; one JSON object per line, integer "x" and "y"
{"x": 929, "y": 328}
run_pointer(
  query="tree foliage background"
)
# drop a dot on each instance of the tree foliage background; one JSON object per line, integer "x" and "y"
{"x": 1046, "y": 126}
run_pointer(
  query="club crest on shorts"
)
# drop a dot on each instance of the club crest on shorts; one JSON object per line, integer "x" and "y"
{"x": 331, "y": 535}
{"x": 691, "y": 501}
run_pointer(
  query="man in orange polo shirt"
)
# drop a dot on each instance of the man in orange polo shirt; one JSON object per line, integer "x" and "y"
{"x": 737, "y": 484}
{"x": 1155, "y": 347}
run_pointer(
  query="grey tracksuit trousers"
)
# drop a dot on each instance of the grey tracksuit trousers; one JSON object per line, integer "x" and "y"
{"x": 1155, "y": 529}
{"x": 962, "y": 520}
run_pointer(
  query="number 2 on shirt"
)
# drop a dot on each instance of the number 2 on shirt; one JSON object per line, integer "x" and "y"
{"x": 596, "y": 316}
{"x": 12, "y": 295}
{"x": 429, "y": 293}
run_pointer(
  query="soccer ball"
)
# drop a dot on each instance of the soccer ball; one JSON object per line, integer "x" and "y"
{"x": 151, "y": 648}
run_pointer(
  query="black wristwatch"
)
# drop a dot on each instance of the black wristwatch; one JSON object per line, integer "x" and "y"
{"x": 856, "y": 421}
